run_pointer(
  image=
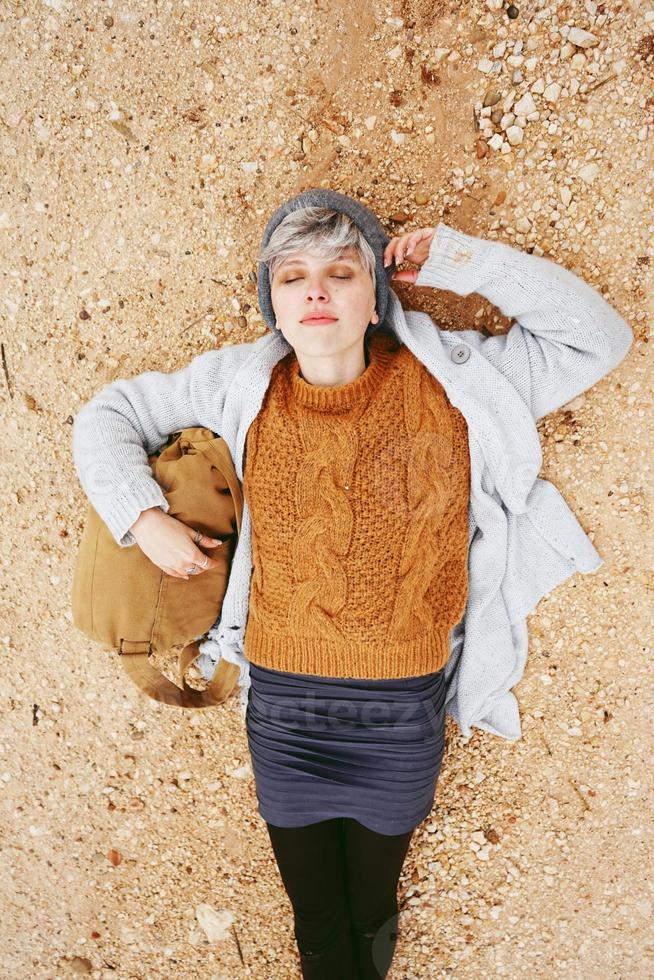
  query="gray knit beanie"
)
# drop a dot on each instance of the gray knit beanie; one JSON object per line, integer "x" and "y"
{"x": 369, "y": 225}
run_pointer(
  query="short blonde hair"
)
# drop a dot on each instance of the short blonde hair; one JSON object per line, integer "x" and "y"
{"x": 324, "y": 232}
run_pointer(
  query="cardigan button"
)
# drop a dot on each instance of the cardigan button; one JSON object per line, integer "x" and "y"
{"x": 460, "y": 353}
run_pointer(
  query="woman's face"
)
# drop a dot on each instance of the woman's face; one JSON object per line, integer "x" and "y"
{"x": 305, "y": 285}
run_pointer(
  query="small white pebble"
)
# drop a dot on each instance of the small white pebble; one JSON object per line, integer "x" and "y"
{"x": 552, "y": 92}
{"x": 514, "y": 135}
{"x": 582, "y": 38}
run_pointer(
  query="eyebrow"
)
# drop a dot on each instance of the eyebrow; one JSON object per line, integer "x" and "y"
{"x": 290, "y": 263}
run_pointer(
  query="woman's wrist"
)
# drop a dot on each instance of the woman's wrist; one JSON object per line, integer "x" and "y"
{"x": 145, "y": 517}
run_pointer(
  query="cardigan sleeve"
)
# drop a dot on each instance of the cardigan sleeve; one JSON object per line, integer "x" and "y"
{"x": 566, "y": 336}
{"x": 127, "y": 420}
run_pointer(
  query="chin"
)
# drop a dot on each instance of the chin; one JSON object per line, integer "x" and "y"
{"x": 314, "y": 333}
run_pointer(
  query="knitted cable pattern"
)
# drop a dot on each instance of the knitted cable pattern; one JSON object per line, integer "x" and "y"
{"x": 437, "y": 477}
{"x": 325, "y": 521}
{"x": 359, "y": 524}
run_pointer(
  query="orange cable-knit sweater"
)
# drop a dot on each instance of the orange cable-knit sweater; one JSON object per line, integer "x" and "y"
{"x": 358, "y": 496}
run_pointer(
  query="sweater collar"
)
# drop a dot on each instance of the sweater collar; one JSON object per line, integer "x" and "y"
{"x": 336, "y": 398}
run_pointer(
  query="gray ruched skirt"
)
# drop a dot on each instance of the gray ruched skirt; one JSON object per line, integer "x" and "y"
{"x": 324, "y": 747}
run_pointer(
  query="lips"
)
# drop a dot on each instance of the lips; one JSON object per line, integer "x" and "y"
{"x": 319, "y": 319}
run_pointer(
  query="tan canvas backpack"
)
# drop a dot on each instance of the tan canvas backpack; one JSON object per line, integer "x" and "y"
{"x": 128, "y": 604}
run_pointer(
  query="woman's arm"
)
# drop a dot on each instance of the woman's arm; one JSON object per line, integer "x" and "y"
{"x": 127, "y": 420}
{"x": 566, "y": 336}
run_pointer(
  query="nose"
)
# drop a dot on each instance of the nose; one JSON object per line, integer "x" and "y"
{"x": 316, "y": 289}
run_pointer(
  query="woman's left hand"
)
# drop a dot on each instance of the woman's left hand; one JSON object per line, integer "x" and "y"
{"x": 414, "y": 245}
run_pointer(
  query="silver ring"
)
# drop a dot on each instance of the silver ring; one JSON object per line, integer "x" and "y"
{"x": 197, "y": 536}
{"x": 194, "y": 569}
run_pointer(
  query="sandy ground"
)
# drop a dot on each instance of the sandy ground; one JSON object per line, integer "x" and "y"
{"x": 144, "y": 146}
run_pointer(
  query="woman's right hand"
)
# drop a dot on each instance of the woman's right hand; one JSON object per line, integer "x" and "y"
{"x": 169, "y": 544}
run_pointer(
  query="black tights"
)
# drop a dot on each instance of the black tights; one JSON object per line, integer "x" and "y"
{"x": 342, "y": 881}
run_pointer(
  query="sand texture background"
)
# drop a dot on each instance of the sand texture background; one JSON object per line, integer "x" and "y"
{"x": 143, "y": 146}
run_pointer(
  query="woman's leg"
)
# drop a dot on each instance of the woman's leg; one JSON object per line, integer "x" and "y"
{"x": 311, "y": 863}
{"x": 374, "y": 862}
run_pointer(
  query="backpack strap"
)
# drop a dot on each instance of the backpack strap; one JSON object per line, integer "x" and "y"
{"x": 219, "y": 453}
{"x": 135, "y": 659}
